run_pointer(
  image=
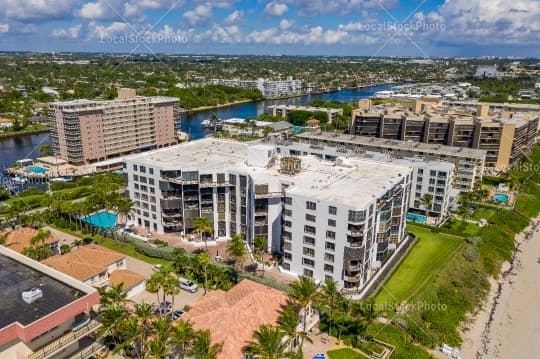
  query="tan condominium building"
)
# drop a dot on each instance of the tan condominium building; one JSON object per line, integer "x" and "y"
{"x": 506, "y": 136}
{"x": 86, "y": 131}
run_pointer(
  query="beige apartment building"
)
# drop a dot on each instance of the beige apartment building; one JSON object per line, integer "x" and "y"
{"x": 86, "y": 131}
{"x": 505, "y": 135}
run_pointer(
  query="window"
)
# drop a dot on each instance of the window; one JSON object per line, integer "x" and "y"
{"x": 309, "y": 240}
{"x": 357, "y": 216}
{"x": 330, "y": 234}
{"x": 312, "y": 206}
{"x": 308, "y": 273}
{"x": 418, "y": 187}
{"x": 286, "y": 266}
{"x": 432, "y": 173}
{"x": 331, "y": 222}
{"x": 142, "y": 179}
{"x": 328, "y": 268}
{"x": 308, "y": 262}
{"x": 332, "y": 210}
{"x": 135, "y": 177}
{"x": 151, "y": 171}
{"x": 330, "y": 246}
{"x": 310, "y": 217}
{"x": 288, "y": 200}
{"x": 134, "y": 167}
{"x": 310, "y": 252}
{"x": 329, "y": 257}
{"x": 309, "y": 229}
{"x": 151, "y": 181}
{"x": 142, "y": 169}
{"x": 287, "y": 212}
{"x": 287, "y": 256}
{"x": 287, "y": 223}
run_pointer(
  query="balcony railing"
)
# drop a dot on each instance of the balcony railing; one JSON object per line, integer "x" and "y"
{"x": 88, "y": 351}
{"x": 67, "y": 339}
{"x": 352, "y": 279}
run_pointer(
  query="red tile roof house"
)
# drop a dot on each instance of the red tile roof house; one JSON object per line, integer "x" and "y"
{"x": 233, "y": 316}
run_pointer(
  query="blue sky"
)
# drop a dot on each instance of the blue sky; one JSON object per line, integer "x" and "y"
{"x": 275, "y": 27}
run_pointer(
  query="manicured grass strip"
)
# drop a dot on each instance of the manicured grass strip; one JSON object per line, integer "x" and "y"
{"x": 430, "y": 253}
{"x": 404, "y": 347}
{"x": 345, "y": 353}
{"x": 129, "y": 250}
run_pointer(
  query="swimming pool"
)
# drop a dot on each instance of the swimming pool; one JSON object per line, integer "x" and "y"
{"x": 500, "y": 197}
{"x": 105, "y": 220}
{"x": 416, "y": 218}
{"x": 37, "y": 169}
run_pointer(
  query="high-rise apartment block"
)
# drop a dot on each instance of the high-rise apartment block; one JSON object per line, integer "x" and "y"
{"x": 86, "y": 131}
{"x": 333, "y": 219}
{"x": 505, "y": 136}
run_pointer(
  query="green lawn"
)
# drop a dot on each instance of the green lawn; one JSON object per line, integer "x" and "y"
{"x": 430, "y": 253}
{"x": 345, "y": 353}
{"x": 129, "y": 250}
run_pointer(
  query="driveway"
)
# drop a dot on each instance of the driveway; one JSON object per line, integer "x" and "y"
{"x": 180, "y": 300}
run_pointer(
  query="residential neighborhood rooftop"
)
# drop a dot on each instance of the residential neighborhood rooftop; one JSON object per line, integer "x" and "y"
{"x": 233, "y": 316}
{"x": 127, "y": 278}
{"x": 84, "y": 262}
{"x": 21, "y": 238}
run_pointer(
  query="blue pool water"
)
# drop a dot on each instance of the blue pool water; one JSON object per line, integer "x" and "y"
{"x": 36, "y": 169}
{"x": 103, "y": 220}
{"x": 500, "y": 197}
{"x": 416, "y": 218}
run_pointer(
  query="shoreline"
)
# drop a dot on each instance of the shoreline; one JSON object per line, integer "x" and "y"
{"x": 510, "y": 317}
{"x": 26, "y": 133}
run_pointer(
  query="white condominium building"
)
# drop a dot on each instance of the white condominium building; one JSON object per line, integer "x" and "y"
{"x": 333, "y": 219}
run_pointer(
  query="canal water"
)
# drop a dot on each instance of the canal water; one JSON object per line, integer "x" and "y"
{"x": 16, "y": 148}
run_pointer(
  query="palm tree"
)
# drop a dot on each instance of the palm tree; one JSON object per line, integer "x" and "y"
{"x": 203, "y": 225}
{"x": 202, "y": 347}
{"x": 288, "y": 323}
{"x": 259, "y": 248}
{"x": 303, "y": 292}
{"x": 153, "y": 285}
{"x": 124, "y": 207}
{"x": 330, "y": 297}
{"x": 204, "y": 259}
{"x": 268, "y": 343}
{"x": 427, "y": 202}
{"x": 236, "y": 249}
{"x": 161, "y": 343}
{"x": 182, "y": 334}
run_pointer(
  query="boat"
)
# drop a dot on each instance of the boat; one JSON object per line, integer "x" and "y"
{"x": 206, "y": 124}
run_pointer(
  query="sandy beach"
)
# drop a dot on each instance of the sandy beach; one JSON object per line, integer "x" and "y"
{"x": 508, "y": 326}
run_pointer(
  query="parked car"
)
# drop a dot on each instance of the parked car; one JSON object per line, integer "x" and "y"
{"x": 319, "y": 356}
{"x": 166, "y": 305}
{"x": 188, "y": 285}
{"x": 177, "y": 314}
{"x": 162, "y": 311}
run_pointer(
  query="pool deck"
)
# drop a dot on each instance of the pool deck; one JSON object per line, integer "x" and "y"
{"x": 511, "y": 197}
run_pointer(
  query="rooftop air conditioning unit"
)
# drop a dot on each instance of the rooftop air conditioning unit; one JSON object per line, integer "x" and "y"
{"x": 30, "y": 296}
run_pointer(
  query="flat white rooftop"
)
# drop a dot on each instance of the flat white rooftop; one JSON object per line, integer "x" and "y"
{"x": 355, "y": 182}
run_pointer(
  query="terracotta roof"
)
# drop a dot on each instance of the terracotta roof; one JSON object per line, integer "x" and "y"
{"x": 20, "y": 238}
{"x": 312, "y": 121}
{"x": 84, "y": 262}
{"x": 128, "y": 278}
{"x": 233, "y": 316}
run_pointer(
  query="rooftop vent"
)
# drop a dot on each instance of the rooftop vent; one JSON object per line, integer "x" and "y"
{"x": 30, "y": 296}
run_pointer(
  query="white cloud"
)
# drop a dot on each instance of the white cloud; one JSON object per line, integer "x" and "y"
{"x": 275, "y": 8}
{"x": 103, "y": 32}
{"x": 37, "y": 10}
{"x": 70, "y": 33}
{"x": 485, "y": 22}
{"x": 100, "y": 10}
{"x": 342, "y": 7}
{"x": 234, "y": 17}
{"x": 307, "y": 36}
{"x": 200, "y": 14}
{"x": 4, "y": 28}
{"x": 286, "y": 24}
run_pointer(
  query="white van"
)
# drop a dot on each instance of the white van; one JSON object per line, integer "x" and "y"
{"x": 188, "y": 285}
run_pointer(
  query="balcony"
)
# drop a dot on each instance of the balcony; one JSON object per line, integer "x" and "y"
{"x": 355, "y": 233}
{"x": 268, "y": 195}
{"x": 207, "y": 184}
{"x": 88, "y": 351}
{"x": 355, "y": 244}
{"x": 352, "y": 279}
{"x": 57, "y": 345}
